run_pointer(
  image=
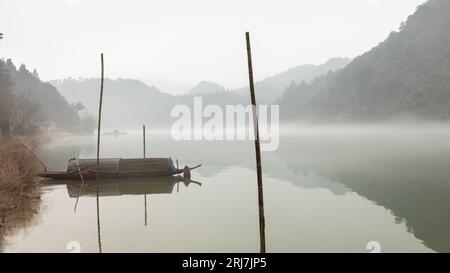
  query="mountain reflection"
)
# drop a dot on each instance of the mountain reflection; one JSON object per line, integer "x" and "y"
{"x": 409, "y": 176}
{"x": 403, "y": 170}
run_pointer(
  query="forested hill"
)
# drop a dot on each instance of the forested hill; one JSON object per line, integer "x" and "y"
{"x": 405, "y": 76}
{"x": 205, "y": 87}
{"x": 29, "y": 102}
{"x": 272, "y": 88}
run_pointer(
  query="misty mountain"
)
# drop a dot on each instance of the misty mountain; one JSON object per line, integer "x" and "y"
{"x": 205, "y": 87}
{"x": 305, "y": 73}
{"x": 133, "y": 93}
{"x": 128, "y": 103}
{"x": 407, "y": 75}
{"x": 272, "y": 88}
{"x": 168, "y": 86}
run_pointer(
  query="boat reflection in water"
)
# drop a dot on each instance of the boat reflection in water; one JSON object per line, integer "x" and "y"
{"x": 126, "y": 186}
{"x": 123, "y": 186}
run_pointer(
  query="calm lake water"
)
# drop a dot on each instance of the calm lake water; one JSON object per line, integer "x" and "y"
{"x": 326, "y": 189}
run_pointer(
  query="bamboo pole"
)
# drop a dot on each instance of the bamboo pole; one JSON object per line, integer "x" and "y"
{"x": 262, "y": 236}
{"x": 45, "y": 165}
{"x": 81, "y": 186}
{"x": 143, "y": 132}
{"x": 98, "y": 154}
{"x": 178, "y": 183}
{"x": 145, "y": 195}
{"x": 100, "y": 115}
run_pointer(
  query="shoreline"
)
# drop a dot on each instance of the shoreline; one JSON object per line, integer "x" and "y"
{"x": 20, "y": 195}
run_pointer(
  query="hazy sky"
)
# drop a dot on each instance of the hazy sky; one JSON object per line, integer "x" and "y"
{"x": 185, "y": 41}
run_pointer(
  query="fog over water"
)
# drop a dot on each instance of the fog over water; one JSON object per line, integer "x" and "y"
{"x": 327, "y": 189}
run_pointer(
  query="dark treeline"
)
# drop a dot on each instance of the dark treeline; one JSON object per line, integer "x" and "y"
{"x": 28, "y": 104}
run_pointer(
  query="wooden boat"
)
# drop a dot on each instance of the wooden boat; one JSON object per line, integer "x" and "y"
{"x": 118, "y": 167}
{"x": 115, "y": 132}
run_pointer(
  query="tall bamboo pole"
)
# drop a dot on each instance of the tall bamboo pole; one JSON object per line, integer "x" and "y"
{"x": 262, "y": 235}
{"x": 100, "y": 114}
{"x": 98, "y": 154}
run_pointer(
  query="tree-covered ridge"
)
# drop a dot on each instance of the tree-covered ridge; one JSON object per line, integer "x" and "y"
{"x": 408, "y": 74}
{"x": 205, "y": 87}
{"x": 28, "y": 103}
{"x": 271, "y": 88}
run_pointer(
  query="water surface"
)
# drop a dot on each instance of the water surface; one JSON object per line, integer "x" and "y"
{"x": 326, "y": 189}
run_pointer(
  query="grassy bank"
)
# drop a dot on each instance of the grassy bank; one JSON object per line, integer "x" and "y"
{"x": 19, "y": 191}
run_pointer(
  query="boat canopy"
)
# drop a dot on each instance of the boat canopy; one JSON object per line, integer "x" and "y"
{"x": 123, "y": 165}
{"x": 105, "y": 165}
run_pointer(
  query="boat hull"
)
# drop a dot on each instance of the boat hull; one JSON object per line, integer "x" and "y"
{"x": 90, "y": 175}
{"x": 115, "y": 167}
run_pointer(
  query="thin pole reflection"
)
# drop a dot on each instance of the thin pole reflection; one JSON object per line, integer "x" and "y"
{"x": 145, "y": 208}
